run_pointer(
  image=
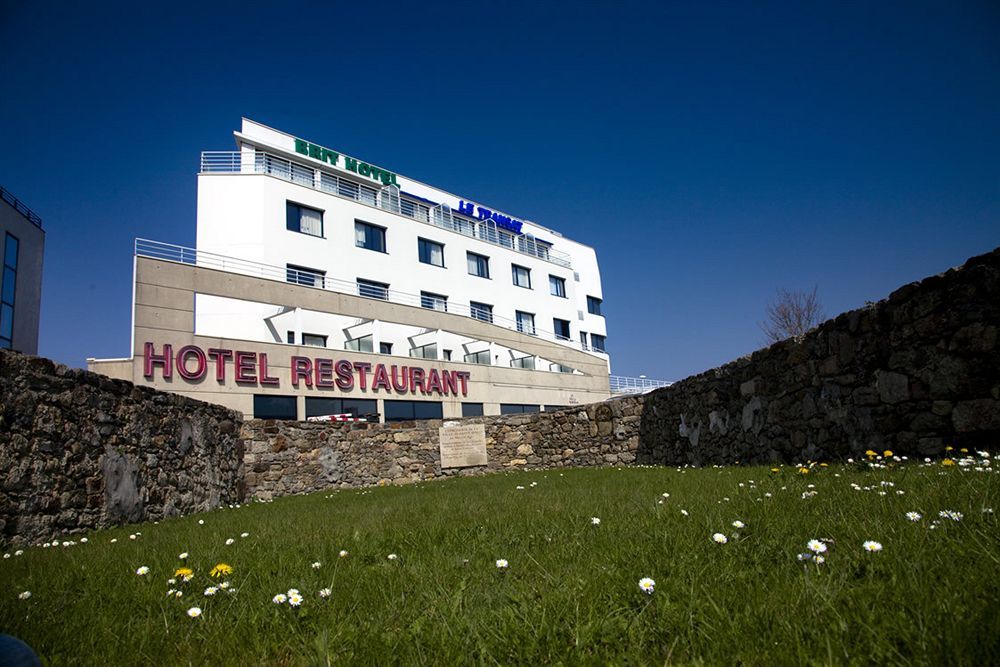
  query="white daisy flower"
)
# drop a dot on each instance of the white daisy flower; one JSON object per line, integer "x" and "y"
{"x": 83, "y": 540}
{"x": 19, "y": 552}
{"x": 6, "y": 556}
{"x": 343, "y": 553}
{"x": 914, "y": 516}
{"x": 229, "y": 541}
{"x": 596, "y": 521}
{"x": 132, "y": 536}
{"x": 293, "y": 591}
{"x": 244, "y": 534}
{"x": 816, "y": 546}
{"x": 738, "y": 524}
{"x": 719, "y": 538}
{"x": 142, "y": 571}
{"x": 392, "y": 556}
{"x": 24, "y": 596}
{"x": 502, "y": 564}
{"x": 819, "y": 559}
{"x": 194, "y": 612}
{"x": 325, "y": 592}
{"x": 872, "y": 545}
{"x": 183, "y": 556}
{"x": 113, "y": 540}
{"x": 317, "y": 565}
{"x": 684, "y": 512}
{"x": 279, "y": 598}
{"x": 295, "y": 599}
{"x": 211, "y": 590}
{"x": 224, "y": 585}
{"x": 647, "y": 585}
{"x": 171, "y": 592}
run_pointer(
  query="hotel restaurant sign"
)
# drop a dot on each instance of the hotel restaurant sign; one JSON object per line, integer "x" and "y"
{"x": 193, "y": 364}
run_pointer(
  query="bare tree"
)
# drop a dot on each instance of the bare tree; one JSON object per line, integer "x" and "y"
{"x": 791, "y": 314}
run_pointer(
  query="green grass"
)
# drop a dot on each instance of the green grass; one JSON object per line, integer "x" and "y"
{"x": 570, "y": 594}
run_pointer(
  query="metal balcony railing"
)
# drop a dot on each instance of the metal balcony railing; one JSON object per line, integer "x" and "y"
{"x": 628, "y": 385}
{"x": 184, "y": 255}
{"x": 387, "y": 198}
{"x": 20, "y": 207}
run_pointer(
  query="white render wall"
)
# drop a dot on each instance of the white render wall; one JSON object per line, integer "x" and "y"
{"x": 243, "y": 215}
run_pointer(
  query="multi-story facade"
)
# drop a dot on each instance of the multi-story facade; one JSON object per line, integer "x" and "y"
{"x": 22, "y": 246}
{"x": 378, "y": 270}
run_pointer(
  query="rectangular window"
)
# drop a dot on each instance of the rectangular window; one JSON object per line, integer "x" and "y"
{"x": 478, "y": 358}
{"x": 447, "y": 355}
{"x": 358, "y": 407}
{"x": 525, "y": 322}
{"x": 557, "y": 286}
{"x": 521, "y": 276}
{"x": 362, "y": 344}
{"x": 561, "y": 328}
{"x": 290, "y": 337}
{"x": 516, "y": 408}
{"x": 369, "y": 237}
{"x": 403, "y": 411}
{"x": 559, "y": 368}
{"x": 472, "y": 409}
{"x": 372, "y": 289}
{"x": 523, "y": 362}
{"x": 8, "y": 289}
{"x": 593, "y": 305}
{"x": 303, "y": 219}
{"x": 481, "y": 311}
{"x": 479, "y": 265}
{"x": 385, "y": 348}
{"x": 430, "y": 252}
{"x": 313, "y": 340}
{"x": 303, "y": 275}
{"x": 597, "y": 342}
{"x": 584, "y": 341}
{"x": 434, "y": 301}
{"x": 429, "y": 351}
{"x": 266, "y": 406}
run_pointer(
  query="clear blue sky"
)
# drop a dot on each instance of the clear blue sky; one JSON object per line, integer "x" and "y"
{"x": 710, "y": 152}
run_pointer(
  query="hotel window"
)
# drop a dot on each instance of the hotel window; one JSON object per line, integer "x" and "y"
{"x": 430, "y": 252}
{"x": 303, "y": 219}
{"x": 516, "y": 408}
{"x": 481, "y": 311}
{"x": 385, "y": 348}
{"x": 597, "y": 342}
{"x": 521, "y": 275}
{"x": 583, "y": 341}
{"x": 482, "y": 357}
{"x": 447, "y": 355}
{"x": 358, "y": 407}
{"x": 8, "y": 288}
{"x": 404, "y": 411}
{"x": 523, "y": 362}
{"x": 472, "y": 409}
{"x": 593, "y": 305}
{"x": 434, "y": 301}
{"x": 525, "y": 322}
{"x": 372, "y": 289}
{"x": 363, "y": 344}
{"x": 266, "y": 406}
{"x": 369, "y": 237}
{"x": 561, "y": 328}
{"x": 557, "y": 286}
{"x": 303, "y": 275}
{"x": 313, "y": 340}
{"x": 479, "y": 265}
{"x": 429, "y": 351}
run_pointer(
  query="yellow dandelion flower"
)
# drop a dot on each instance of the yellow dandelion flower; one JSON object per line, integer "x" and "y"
{"x": 947, "y": 462}
{"x": 183, "y": 572}
{"x": 871, "y": 453}
{"x": 803, "y": 471}
{"x": 221, "y": 570}
{"x": 948, "y": 448}
{"x": 964, "y": 450}
{"x": 887, "y": 453}
{"x": 824, "y": 465}
{"x": 775, "y": 469}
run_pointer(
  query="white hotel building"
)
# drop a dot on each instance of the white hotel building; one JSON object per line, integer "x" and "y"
{"x": 323, "y": 284}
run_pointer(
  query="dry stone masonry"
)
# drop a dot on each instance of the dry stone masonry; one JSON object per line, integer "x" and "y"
{"x": 80, "y": 451}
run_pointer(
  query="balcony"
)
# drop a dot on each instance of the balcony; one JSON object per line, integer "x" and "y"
{"x": 387, "y": 198}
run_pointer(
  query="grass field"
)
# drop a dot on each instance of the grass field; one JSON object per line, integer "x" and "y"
{"x": 570, "y": 592}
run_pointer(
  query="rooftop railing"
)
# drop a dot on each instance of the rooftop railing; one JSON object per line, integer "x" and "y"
{"x": 387, "y": 198}
{"x": 185, "y": 255}
{"x": 20, "y": 207}
{"x": 640, "y": 385}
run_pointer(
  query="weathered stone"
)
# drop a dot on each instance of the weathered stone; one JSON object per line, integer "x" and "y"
{"x": 981, "y": 414}
{"x": 892, "y": 387}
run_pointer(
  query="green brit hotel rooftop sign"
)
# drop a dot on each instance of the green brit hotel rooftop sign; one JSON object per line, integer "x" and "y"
{"x": 350, "y": 164}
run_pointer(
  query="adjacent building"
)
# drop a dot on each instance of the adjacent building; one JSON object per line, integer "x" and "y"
{"x": 324, "y": 284}
{"x": 22, "y": 244}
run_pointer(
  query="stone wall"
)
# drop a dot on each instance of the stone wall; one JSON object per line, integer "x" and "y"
{"x": 80, "y": 451}
{"x": 285, "y": 457}
{"x": 913, "y": 373}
